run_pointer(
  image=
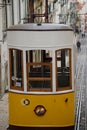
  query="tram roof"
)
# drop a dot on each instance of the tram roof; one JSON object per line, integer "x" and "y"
{"x": 40, "y": 27}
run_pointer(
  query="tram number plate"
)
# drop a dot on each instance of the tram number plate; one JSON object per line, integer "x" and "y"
{"x": 18, "y": 84}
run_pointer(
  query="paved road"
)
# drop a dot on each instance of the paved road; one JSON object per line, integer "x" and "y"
{"x": 81, "y": 86}
{"x": 4, "y": 112}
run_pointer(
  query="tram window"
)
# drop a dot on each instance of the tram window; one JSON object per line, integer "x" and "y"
{"x": 16, "y": 69}
{"x": 39, "y": 70}
{"x": 63, "y": 69}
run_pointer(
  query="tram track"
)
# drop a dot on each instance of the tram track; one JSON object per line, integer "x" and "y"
{"x": 81, "y": 82}
{"x": 86, "y": 93}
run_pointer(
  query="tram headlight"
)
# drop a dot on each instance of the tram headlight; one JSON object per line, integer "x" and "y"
{"x": 39, "y": 110}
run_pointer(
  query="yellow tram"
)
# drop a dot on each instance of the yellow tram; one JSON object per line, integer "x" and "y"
{"x": 41, "y": 77}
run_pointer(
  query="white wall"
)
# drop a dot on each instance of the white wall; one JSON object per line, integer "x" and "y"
{"x": 9, "y": 14}
{"x": 3, "y": 52}
{"x": 4, "y": 59}
{"x": 57, "y": 12}
{"x": 15, "y": 11}
{"x": 0, "y": 22}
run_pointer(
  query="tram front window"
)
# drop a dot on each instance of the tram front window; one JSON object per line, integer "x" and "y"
{"x": 39, "y": 70}
{"x": 63, "y": 69}
{"x": 16, "y": 69}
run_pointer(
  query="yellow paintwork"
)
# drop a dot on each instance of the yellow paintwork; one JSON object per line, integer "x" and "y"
{"x": 58, "y": 112}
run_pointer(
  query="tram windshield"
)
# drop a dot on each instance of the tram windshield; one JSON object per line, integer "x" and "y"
{"x": 39, "y": 70}
{"x": 63, "y": 69}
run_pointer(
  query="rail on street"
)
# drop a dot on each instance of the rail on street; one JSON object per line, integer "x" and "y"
{"x": 81, "y": 87}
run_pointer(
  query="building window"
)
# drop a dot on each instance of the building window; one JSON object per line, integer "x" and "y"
{"x": 19, "y": 12}
{"x": 16, "y": 69}
{"x": 63, "y": 69}
{"x": 39, "y": 70}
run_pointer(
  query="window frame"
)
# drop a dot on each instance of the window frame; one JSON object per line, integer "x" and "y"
{"x": 10, "y": 70}
{"x": 39, "y": 79}
{"x": 70, "y": 63}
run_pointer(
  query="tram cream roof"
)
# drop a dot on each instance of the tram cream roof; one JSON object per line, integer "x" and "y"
{"x": 39, "y": 35}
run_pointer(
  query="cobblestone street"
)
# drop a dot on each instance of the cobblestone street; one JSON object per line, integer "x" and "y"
{"x": 4, "y": 112}
{"x": 81, "y": 84}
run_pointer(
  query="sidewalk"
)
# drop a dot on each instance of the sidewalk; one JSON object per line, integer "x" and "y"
{"x": 4, "y": 112}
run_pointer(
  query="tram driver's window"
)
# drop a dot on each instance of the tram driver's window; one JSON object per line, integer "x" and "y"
{"x": 16, "y": 69}
{"x": 63, "y": 69}
{"x": 39, "y": 70}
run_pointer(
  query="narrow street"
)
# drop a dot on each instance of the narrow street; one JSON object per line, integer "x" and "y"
{"x": 81, "y": 86}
